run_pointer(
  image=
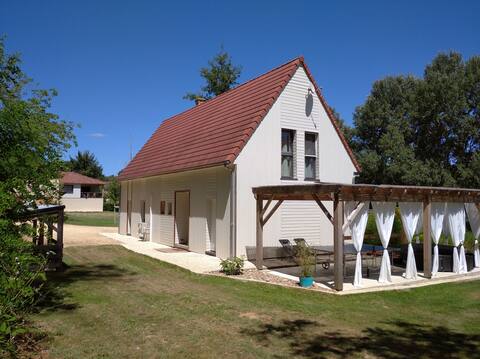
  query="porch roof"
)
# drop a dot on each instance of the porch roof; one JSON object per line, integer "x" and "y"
{"x": 324, "y": 191}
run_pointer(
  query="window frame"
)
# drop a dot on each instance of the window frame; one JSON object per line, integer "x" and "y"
{"x": 288, "y": 154}
{"x": 67, "y": 186}
{"x": 162, "y": 207}
{"x": 315, "y": 168}
{"x": 169, "y": 208}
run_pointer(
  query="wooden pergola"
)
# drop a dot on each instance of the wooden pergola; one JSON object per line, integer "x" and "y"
{"x": 340, "y": 193}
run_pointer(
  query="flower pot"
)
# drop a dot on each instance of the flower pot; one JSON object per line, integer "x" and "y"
{"x": 306, "y": 282}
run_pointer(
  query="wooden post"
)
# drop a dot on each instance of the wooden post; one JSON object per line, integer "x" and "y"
{"x": 338, "y": 242}
{"x": 259, "y": 248}
{"x": 427, "y": 239}
{"x": 35, "y": 231}
{"x": 41, "y": 234}
{"x": 60, "y": 235}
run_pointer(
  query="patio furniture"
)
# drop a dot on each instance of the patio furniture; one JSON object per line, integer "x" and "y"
{"x": 325, "y": 254}
{"x": 288, "y": 248}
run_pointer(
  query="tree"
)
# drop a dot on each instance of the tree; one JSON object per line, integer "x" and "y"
{"x": 32, "y": 143}
{"x": 112, "y": 193}
{"x": 86, "y": 164}
{"x": 220, "y": 75}
{"x": 422, "y": 131}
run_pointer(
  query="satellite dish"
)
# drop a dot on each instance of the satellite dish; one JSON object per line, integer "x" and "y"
{"x": 309, "y": 103}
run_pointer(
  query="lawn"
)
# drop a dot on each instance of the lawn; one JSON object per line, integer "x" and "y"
{"x": 100, "y": 219}
{"x": 112, "y": 303}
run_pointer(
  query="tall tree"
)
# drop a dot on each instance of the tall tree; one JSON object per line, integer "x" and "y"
{"x": 86, "y": 163}
{"x": 32, "y": 143}
{"x": 423, "y": 131}
{"x": 220, "y": 75}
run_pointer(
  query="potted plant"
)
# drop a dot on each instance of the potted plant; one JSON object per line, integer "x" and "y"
{"x": 306, "y": 261}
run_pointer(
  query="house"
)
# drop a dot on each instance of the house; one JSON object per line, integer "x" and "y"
{"x": 81, "y": 193}
{"x": 191, "y": 183}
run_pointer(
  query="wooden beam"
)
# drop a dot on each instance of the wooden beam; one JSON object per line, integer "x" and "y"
{"x": 323, "y": 208}
{"x": 259, "y": 239}
{"x": 264, "y": 209}
{"x": 338, "y": 242}
{"x": 427, "y": 239}
{"x": 272, "y": 211}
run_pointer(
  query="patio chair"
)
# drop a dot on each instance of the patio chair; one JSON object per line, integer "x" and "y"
{"x": 288, "y": 248}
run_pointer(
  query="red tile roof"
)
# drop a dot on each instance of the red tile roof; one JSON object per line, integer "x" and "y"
{"x": 214, "y": 132}
{"x": 77, "y": 178}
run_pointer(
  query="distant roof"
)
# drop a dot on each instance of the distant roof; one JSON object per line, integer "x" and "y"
{"x": 77, "y": 178}
{"x": 214, "y": 132}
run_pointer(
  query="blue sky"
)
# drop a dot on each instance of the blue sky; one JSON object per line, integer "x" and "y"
{"x": 121, "y": 67}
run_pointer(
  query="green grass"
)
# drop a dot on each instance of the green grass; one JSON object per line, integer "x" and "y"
{"x": 112, "y": 303}
{"x": 101, "y": 219}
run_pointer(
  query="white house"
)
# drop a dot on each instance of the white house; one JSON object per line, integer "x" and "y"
{"x": 81, "y": 193}
{"x": 191, "y": 183}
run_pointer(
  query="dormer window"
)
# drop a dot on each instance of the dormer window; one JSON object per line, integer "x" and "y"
{"x": 288, "y": 154}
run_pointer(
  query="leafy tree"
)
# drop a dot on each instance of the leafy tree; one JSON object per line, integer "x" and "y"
{"x": 422, "y": 131}
{"x": 220, "y": 75}
{"x": 112, "y": 193}
{"x": 86, "y": 164}
{"x": 32, "y": 143}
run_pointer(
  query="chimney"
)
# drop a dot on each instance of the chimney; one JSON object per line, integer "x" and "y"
{"x": 199, "y": 100}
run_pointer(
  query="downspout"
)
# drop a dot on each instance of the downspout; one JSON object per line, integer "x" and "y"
{"x": 233, "y": 208}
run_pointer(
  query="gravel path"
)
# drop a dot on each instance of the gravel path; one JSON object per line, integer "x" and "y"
{"x": 86, "y": 235}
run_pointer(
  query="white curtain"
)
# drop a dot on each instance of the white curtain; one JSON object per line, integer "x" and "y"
{"x": 410, "y": 213}
{"x": 384, "y": 216}
{"x": 456, "y": 224}
{"x": 474, "y": 219}
{"x": 436, "y": 222}
{"x": 419, "y": 229}
{"x": 357, "y": 229}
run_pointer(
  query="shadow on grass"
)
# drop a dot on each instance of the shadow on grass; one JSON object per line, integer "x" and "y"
{"x": 397, "y": 340}
{"x": 57, "y": 297}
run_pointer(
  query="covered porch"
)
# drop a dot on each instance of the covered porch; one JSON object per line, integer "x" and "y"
{"x": 435, "y": 209}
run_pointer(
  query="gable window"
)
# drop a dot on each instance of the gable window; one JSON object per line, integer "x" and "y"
{"x": 169, "y": 208}
{"x": 288, "y": 137}
{"x": 162, "y": 207}
{"x": 142, "y": 211}
{"x": 310, "y": 156}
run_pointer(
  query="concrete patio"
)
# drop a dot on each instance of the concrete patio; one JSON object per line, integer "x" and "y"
{"x": 195, "y": 262}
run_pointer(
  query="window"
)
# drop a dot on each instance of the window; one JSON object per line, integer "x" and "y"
{"x": 288, "y": 137}
{"x": 162, "y": 207}
{"x": 68, "y": 188}
{"x": 310, "y": 156}
{"x": 142, "y": 211}
{"x": 169, "y": 205}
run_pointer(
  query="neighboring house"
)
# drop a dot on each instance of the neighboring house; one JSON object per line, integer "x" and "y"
{"x": 191, "y": 183}
{"x": 81, "y": 193}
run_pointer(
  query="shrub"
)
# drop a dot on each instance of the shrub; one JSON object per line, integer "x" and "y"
{"x": 305, "y": 259}
{"x": 232, "y": 266}
{"x": 21, "y": 280}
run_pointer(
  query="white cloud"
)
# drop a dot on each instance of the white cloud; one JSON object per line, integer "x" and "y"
{"x": 97, "y": 135}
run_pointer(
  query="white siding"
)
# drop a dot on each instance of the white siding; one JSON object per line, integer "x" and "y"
{"x": 205, "y": 184}
{"x": 259, "y": 164}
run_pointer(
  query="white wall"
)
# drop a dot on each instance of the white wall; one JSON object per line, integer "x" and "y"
{"x": 259, "y": 164}
{"x": 204, "y": 185}
{"x": 82, "y": 204}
